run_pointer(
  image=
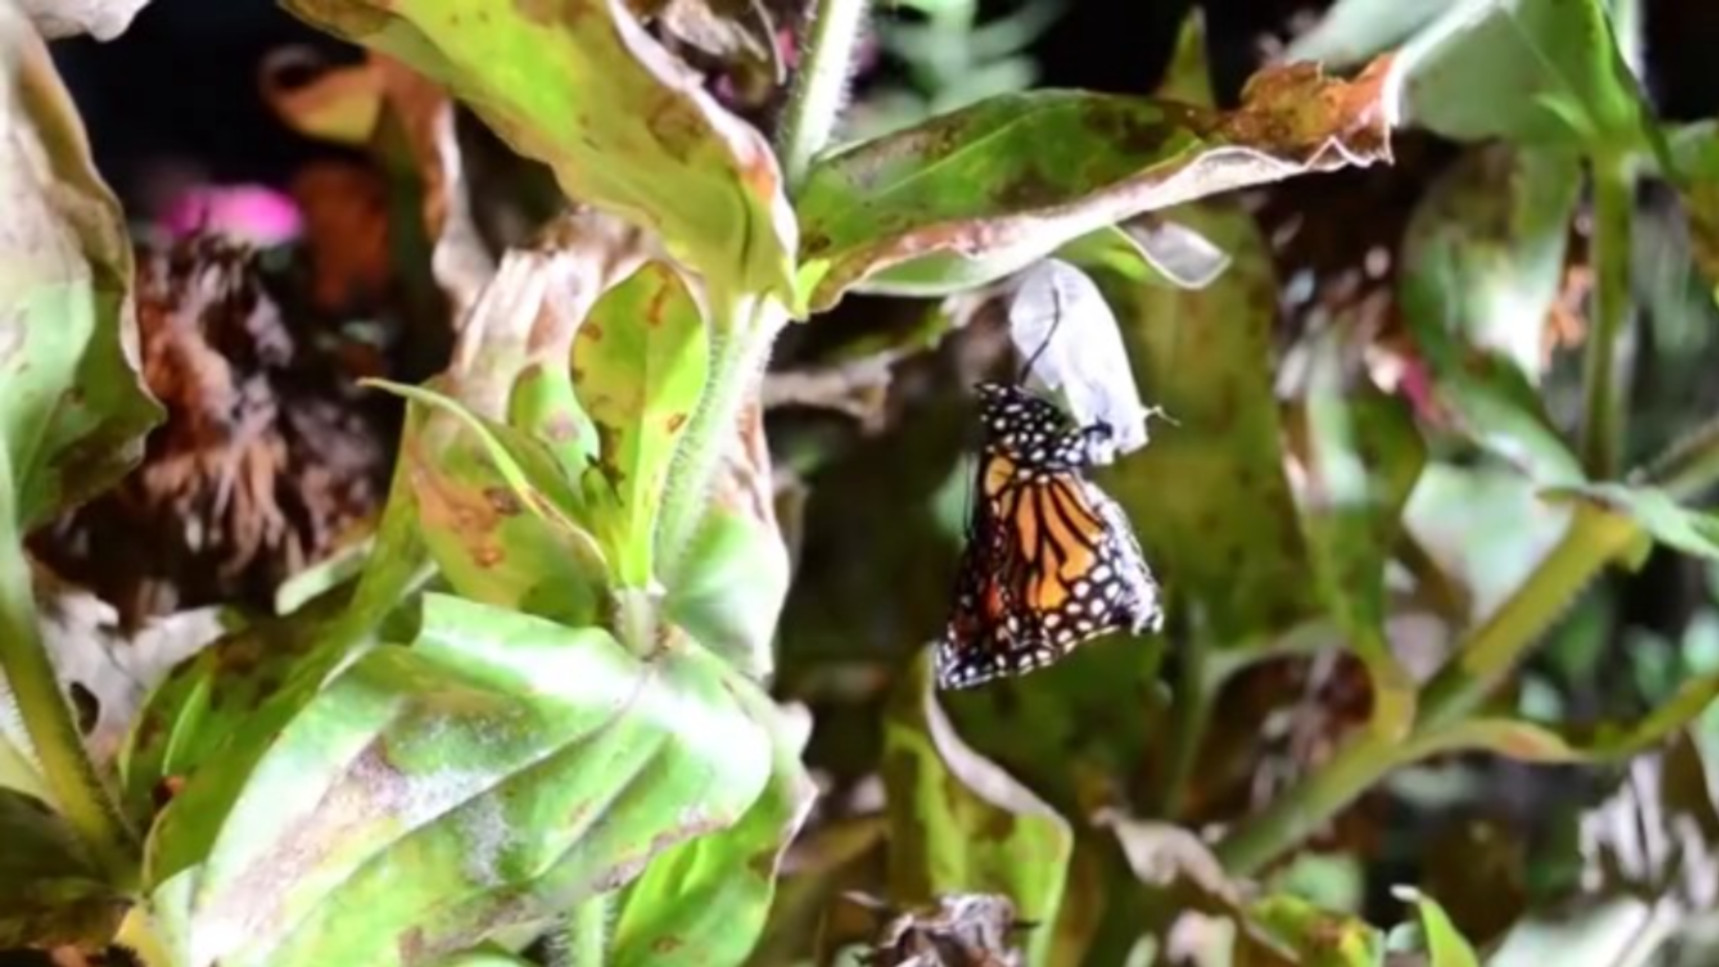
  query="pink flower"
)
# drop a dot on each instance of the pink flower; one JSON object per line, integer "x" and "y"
{"x": 252, "y": 213}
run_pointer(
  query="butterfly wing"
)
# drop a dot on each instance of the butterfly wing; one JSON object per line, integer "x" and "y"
{"x": 988, "y": 636}
{"x": 1084, "y": 574}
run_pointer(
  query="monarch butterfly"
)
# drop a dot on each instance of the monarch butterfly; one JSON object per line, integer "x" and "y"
{"x": 1050, "y": 561}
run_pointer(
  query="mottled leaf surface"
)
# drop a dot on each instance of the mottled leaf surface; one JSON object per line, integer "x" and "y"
{"x": 528, "y": 67}
{"x": 500, "y": 769}
{"x": 976, "y": 194}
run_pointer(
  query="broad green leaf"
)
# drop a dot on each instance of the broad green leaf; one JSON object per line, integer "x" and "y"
{"x": 528, "y": 70}
{"x": 979, "y": 193}
{"x": 49, "y": 893}
{"x": 1444, "y": 944}
{"x": 960, "y": 824}
{"x": 705, "y": 902}
{"x": 1681, "y": 528}
{"x": 75, "y": 411}
{"x": 496, "y": 772}
{"x": 640, "y": 362}
{"x": 1362, "y": 457}
{"x": 1569, "y": 85}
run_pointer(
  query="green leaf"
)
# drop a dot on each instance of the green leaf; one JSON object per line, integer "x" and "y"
{"x": 496, "y": 772}
{"x": 1319, "y": 938}
{"x": 499, "y": 516}
{"x": 705, "y": 902}
{"x": 50, "y": 894}
{"x": 1658, "y": 513}
{"x": 1568, "y": 83}
{"x": 640, "y": 362}
{"x": 1696, "y": 150}
{"x": 1444, "y": 944}
{"x": 1150, "y": 251}
{"x": 960, "y": 824}
{"x": 979, "y": 193}
{"x": 528, "y": 69}
{"x": 733, "y": 583}
{"x": 199, "y": 708}
{"x": 76, "y": 410}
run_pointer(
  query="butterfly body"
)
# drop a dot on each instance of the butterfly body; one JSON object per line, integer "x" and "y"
{"x": 1051, "y": 561}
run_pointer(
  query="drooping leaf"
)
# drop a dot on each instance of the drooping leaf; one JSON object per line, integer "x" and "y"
{"x": 1184, "y": 901}
{"x": 1696, "y": 149}
{"x": 494, "y": 773}
{"x": 959, "y": 823}
{"x": 75, "y": 410}
{"x": 705, "y": 902}
{"x": 971, "y": 196}
{"x": 527, "y": 69}
{"x": 640, "y": 362}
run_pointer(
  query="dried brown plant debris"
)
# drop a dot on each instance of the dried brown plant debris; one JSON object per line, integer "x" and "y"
{"x": 270, "y": 459}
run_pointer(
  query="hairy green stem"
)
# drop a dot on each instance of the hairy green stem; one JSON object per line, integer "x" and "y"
{"x": 1604, "y": 380}
{"x": 582, "y": 939}
{"x": 746, "y": 330}
{"x": 819, "y": 88}
{"x": 47, "y": 716}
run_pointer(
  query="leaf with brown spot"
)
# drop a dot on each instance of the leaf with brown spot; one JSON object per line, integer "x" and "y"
{"x": 959, "y": 824}
{"x": 496, "y": 771}
{"x": 638, "y": 380}
{"x": 979, "y": 193}
{"x": 527, "y": 70}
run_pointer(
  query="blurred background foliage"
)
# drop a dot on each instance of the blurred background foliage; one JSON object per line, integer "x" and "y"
{"x": 1370, "y": 400}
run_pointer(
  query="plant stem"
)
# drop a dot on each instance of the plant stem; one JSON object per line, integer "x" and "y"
{"x": 819, "y": 88}
{"x": 1486, "y": 654}
{"x": 66, "y": 767}
{"x": 583, "y": 937}
{"x": 1603, "y": 379}
{"x": 1298, "y": 813}
{"x": 746, "y": 330}
{"x": 1198, "y": 681}
{"x": 1594, "y": 537}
